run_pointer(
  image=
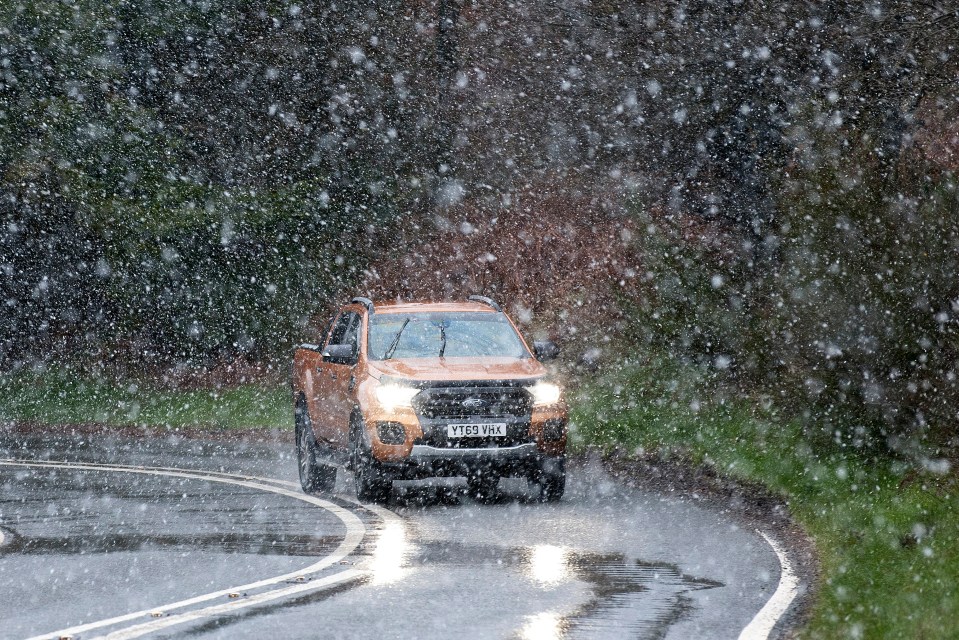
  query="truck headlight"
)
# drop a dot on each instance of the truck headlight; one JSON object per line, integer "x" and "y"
{"x": 545, "y": 393}
{"x": 394, "y": 396}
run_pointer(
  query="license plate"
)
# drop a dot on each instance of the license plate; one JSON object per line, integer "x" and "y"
{"x": 487, "y": 430}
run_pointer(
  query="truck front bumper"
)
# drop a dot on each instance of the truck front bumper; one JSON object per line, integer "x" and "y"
{"x": 426, "y": 461}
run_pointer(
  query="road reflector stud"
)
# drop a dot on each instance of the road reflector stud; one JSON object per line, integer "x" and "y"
{"x": 234, "y": 595}
{"x": 66, "y": 638}
{"x": 157, "y": 614}
{"x": 300, "y": 578}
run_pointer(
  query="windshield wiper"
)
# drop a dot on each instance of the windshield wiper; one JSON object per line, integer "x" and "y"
{"x": 443, "y": 338}
{"x": 396, "y": 341}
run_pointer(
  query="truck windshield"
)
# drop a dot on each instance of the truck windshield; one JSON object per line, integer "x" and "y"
{"x": 465, "y": 334}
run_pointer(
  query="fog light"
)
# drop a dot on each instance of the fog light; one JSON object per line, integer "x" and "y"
{"x": 554, "y": 429}
{"x": 391, "y": 432}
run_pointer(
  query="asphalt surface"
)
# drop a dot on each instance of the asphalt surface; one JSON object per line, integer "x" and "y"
{"x": 84, "y": 543}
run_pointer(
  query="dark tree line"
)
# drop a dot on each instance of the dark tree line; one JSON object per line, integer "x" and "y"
{"x": 193, "y": 180}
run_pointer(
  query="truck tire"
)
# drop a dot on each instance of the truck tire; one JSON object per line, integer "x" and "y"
{"x": 547, "y": 483}
{"x": 373, "y": 483}
{"x": 314, "y": 474}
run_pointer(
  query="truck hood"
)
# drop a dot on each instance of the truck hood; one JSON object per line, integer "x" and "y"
{"x": 458, "y": 368}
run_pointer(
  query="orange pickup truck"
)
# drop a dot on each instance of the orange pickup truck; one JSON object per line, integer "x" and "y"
{"x": 411, "y": 391}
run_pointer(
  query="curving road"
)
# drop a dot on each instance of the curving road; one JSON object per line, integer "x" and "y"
{"x": 182, "y": 538}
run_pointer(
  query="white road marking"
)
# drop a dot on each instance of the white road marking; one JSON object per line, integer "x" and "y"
{"x": 389, "y": 556}
{"x": 227, "y": 608}
{"x": 2, "y": 537}
{"x": 762, "y": 625}
{"x": 383, "y": 513}
{"x": 354, "y": 535}
{"x": 758, "y": 629}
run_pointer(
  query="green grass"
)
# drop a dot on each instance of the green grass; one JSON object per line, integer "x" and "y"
{"x": 885, "y": 531}
{"x": 66, "y": 398}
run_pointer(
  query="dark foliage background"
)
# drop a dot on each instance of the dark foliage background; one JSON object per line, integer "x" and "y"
{"x": 185, "y": 183}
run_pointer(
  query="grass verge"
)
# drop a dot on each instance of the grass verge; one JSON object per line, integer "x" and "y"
{"x": 64, "y": 398}
{"x": 886, "y": 531}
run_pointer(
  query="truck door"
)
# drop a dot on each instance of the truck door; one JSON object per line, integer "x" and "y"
{"x": 334, "y": 383}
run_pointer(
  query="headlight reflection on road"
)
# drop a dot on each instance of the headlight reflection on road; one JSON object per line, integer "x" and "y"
{"x": 390, "y": 554}
{"x": 548, "y": 564}
{"x": 542, "y": 626}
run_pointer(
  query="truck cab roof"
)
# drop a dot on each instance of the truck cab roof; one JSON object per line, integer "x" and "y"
{"x": 418, "y": 307}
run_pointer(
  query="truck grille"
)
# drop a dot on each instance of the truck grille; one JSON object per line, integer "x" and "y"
{"x": 437, "y": 407}
{"x": 473, "y": 402}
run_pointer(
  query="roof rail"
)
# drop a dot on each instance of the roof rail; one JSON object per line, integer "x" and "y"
{"x": 366, "y": 302}
{"x": 486, "y": 301}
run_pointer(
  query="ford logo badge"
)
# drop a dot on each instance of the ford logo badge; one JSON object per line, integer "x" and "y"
{"x": 473, "y": 403}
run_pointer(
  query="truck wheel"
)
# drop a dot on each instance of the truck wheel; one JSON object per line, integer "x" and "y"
{"x": 314, "y": 475}
{"x": 482, "y": 486}
{"x": 548, "y": 480}
{"x": 373, "y": 483}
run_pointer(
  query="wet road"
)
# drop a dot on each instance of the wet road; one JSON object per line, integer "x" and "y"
{"x": 231, "y": 548}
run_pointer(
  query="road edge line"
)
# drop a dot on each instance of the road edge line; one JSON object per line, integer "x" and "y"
{"x": 226, "y": 608}
{"x": 352, "y": 539}
{"x": 772, "y": 612}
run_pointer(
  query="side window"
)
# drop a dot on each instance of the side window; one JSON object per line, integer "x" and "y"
{"x": 340, "y": 328}
{"x": 353, "y": 332}
{"x": 325, "y": 333}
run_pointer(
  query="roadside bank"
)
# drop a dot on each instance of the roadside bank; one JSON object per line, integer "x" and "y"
{"x": 884, "y": 529}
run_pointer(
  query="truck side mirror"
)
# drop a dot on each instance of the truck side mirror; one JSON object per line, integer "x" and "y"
{"x": 339, "y": 354}
{"x": 545, "y": 350}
